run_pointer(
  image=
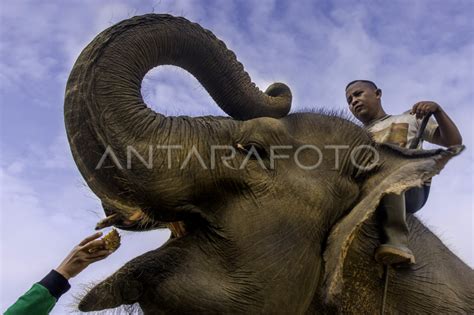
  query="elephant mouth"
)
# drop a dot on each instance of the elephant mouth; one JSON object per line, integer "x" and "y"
{"x": 139, "y": 221}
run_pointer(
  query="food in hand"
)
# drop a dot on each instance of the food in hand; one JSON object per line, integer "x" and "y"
{"x": 112, "y": 240}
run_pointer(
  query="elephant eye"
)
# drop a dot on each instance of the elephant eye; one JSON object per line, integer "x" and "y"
{"x": 253, "y": 149}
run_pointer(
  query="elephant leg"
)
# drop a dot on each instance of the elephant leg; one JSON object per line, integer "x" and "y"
{"x": 395, "y": 229}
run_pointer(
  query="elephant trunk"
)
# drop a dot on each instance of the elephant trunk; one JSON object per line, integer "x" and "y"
{"x": 104, "y": 109}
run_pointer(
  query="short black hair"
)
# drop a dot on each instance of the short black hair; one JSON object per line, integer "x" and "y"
{"x": 364, "y": 81}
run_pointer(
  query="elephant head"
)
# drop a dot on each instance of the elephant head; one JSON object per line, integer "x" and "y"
{"x": 251, "y": 199}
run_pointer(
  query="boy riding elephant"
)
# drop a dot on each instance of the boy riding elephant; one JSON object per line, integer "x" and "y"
{"x": 364, "y": 99}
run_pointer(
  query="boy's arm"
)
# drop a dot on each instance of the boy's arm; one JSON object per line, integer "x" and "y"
{"x": 447, "y": 134}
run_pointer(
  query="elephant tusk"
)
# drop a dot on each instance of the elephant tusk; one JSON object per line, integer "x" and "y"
{"x": 177, "y": 229}
{"x": 108, "y": 221}
{"x": 115, "y": 218}
{"x": 137, "y": 215}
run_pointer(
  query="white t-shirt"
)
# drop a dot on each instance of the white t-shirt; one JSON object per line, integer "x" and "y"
{"x": 401, "y": 129}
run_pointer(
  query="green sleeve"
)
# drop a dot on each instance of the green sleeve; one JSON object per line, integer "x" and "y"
{"x": 37, "y": 301}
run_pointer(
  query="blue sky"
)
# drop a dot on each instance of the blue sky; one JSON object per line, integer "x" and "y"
{"x": 414, "y": 50}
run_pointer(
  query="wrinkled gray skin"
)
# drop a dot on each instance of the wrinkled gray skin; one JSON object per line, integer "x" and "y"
{"x": 283, "y": 240}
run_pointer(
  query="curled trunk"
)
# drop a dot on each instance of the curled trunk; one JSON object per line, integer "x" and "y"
{"x": 104, "y": 107}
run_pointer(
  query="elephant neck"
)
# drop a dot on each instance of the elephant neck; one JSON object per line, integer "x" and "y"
{"x": 283, "y": 256}
{"x": 291, "y": 265}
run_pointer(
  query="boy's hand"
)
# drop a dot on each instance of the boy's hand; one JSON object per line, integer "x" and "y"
{"x": 421, "y": 109}
{"x": 87, "y": 252}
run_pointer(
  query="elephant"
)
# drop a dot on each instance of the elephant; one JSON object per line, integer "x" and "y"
{"x": 282, "y": 221}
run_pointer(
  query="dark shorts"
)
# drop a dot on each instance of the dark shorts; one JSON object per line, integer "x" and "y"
{"x": 415, "y": 198}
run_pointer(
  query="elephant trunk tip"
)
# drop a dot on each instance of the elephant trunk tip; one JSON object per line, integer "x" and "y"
{"x": 279, "y": 89}
{"x": 282, "y": 99}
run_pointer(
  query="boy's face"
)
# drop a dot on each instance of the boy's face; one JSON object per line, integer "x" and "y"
{"x": 364, "y": 101}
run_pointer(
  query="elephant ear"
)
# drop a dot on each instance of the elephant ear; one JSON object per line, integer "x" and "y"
{"x": 397, "y": 170}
